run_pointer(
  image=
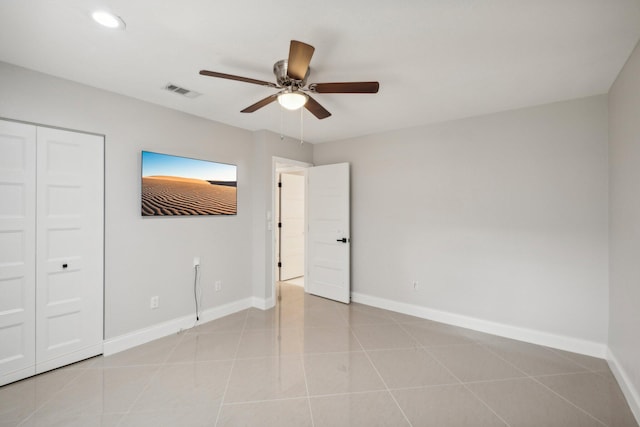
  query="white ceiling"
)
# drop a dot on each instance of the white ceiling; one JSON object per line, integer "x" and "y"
{"x": 435, "y": 60}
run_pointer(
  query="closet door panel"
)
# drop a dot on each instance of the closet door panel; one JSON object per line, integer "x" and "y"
{"x": 17, "y": 250}
{"x": 70, "y": 206}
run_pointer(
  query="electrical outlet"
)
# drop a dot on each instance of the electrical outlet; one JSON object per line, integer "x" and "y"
{"x": 196, "y": 261}
{"x": 218, "y": 285}
{"x": 155, "y": 302}
{"x": 415, "y": 285}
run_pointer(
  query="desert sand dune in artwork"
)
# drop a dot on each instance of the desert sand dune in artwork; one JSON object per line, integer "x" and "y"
{"x": 168, "y": 195}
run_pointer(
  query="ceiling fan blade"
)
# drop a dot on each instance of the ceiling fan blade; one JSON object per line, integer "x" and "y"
{"x": 316, "y": 109}
{"x": 299, "y": 58}
{"x": 238, "y": 78}
{"x": 263, "y": 102}
{"x": 345, "y": 87}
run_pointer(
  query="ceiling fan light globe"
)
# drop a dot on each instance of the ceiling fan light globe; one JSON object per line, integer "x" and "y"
{"x": 292, "y": 100}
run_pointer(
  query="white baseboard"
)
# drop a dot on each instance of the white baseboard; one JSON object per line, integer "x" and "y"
{"x": 263, "y": 304}
{"x": 145, "y": 335}
{"x": 628, "y": 388}
{"x": 575, "y": 345}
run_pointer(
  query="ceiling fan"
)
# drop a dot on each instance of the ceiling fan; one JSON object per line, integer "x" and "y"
{"x": 291, "y": 77}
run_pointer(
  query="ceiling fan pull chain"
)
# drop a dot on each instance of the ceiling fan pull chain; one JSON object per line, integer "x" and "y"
{"x": 281, "y": 123}
{"x": 301, "y": 126}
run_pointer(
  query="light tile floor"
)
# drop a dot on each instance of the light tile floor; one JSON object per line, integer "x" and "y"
{"x": 314, "y": 362}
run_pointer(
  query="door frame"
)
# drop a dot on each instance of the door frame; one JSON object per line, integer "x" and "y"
{"x": 276, "y": 163}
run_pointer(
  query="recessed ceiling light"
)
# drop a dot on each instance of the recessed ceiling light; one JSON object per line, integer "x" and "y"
{"x": 108, "y": 20}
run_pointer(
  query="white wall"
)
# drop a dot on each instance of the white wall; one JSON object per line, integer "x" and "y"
{"x": 501, "y": 218}
{"x": 148, "y": 256}
{"x": 624, "y": 163}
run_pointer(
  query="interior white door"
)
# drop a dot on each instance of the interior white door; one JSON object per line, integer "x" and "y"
{"x": 292, "y": 226}
{"x": 69, "y": 255}
{"x": 17, "y": 250}
{"x": 328, "y": 234}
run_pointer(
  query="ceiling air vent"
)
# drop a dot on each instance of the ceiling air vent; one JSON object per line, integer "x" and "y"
{"x": 181, "y": 91}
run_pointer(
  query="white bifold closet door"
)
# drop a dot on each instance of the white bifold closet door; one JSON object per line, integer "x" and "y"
{"x": 69, "y": 247}
{"x": 56, "y": 216}
{"x": 17, "y": 251}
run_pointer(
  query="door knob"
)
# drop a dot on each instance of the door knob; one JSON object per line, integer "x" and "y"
{"x": 343, "y": 240}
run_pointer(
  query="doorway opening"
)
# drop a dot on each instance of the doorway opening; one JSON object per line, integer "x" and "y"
{"x": 289, "y": 210}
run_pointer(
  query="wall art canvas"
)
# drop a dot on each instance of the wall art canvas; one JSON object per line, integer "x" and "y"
{"x": 177, "y": 186}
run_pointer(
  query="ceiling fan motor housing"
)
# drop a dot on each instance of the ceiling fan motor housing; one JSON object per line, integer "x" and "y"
{"x": 280, "y": 71}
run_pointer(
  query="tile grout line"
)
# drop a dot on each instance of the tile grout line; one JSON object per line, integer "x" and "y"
{"x": 459, "y": 381}
{"x": 302, "y": 361}
{"x": 477, "y": 344}
{"x": 233, "y": 364}
{"x": 533, "y": 378}
{"x": 306, "y": 385}
{"x": 487, "y": 346}
{"x": 36, "y": 409}
{"x": 499, "y": 356}
{"x": 568, "y": 401}
{"x": 381, "y": 379}
{"x": 277, "y": 399}
{"x": 486, "y": 404}
{"x": 346, "y": 393}
{"x": 557, "y": 352}
{"x": 158, "y": 367}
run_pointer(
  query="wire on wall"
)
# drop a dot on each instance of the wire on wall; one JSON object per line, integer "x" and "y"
{"x": 196, "y": 280}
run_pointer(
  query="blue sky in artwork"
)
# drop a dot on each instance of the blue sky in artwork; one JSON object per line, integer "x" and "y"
{"x": 154, "y": 164}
